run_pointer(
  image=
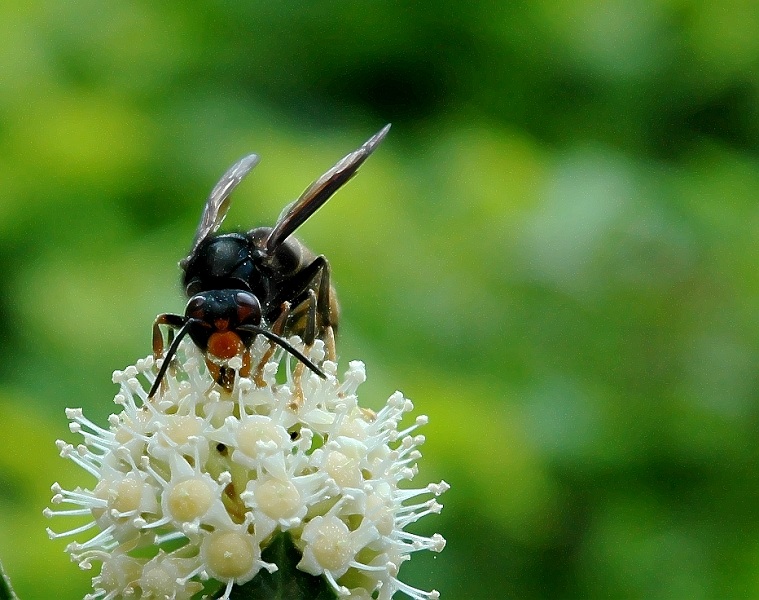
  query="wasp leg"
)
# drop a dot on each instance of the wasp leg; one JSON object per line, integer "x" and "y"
{"x": 327, "y": 310}
{"x": 318, "y": 271}
{"x": 213, "y": 369}
{"x": 246, "y": 363}
{"x": 174, "y": 322}
{"x": 222, "y": 375}
{"x": 309, "y": 306}
{"x": 278, "y": 328}
{"x": 329, "y": 342}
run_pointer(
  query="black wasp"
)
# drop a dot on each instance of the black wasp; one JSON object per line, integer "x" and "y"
{"x": 263, "y": 282}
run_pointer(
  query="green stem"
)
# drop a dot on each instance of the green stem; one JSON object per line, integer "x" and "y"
{"x": 6, "y": 590}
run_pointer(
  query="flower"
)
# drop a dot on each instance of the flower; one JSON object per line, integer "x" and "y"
{"x": 196, "y": 483}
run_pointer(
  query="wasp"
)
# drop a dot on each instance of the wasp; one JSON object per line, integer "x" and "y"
{"x": 261, "y": 282}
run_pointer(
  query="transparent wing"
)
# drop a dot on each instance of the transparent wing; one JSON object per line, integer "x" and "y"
{"x": 321, "y": 190}
{"x": 218, "y": 201}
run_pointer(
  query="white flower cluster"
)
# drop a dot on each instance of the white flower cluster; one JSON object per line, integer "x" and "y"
{"x": 195, "y": 483}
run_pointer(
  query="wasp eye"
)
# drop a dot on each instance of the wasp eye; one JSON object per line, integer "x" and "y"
{"x": 248, "y": 307}
{"x": 196, "y": 307}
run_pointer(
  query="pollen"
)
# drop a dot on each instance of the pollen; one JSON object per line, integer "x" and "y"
{"x": 278, "y": 499}
{"x": 380, "y": 514}
{"x": 190, "y": 500}
{"x": 158, "y": 583}
{"x": 180, "y": 429}
{"x": 344, "y": 470}
{"x": 123, "y": 496}
{"x": 229, "y": 555}
{"x": 259, "y": 430}
{"x": 120, "y": 571}
{"x": 128, "y": 426}
{"x": 332, "y": 547}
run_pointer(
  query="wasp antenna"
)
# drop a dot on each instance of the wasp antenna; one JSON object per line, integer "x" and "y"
{"x": 321, "y": 190}
{"x": 169, "y": 355}
{"x": 286, "y": 345}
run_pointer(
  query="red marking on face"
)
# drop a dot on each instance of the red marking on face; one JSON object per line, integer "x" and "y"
{"x": 221, "y": 324}
{"x": 225, "y": 344}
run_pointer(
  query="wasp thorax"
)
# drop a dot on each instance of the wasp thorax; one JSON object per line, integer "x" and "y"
{"x": 285, "y": 258}
{"x": 220, "y": 262}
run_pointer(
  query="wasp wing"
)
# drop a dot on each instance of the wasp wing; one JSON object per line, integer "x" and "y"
{"x": 321, "y": 190}
{"x": 218, "y": 201}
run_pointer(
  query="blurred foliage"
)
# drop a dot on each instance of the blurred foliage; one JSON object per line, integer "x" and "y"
{"x": 554, "y": 253}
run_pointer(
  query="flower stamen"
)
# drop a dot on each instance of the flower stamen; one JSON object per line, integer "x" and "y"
{"x": 208, "y": 479}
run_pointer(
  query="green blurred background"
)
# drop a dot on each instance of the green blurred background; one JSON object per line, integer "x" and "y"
{"x": 554, "y": 254}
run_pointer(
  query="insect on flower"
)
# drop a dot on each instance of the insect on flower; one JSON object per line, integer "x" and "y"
{"x": 261, "y": 282}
